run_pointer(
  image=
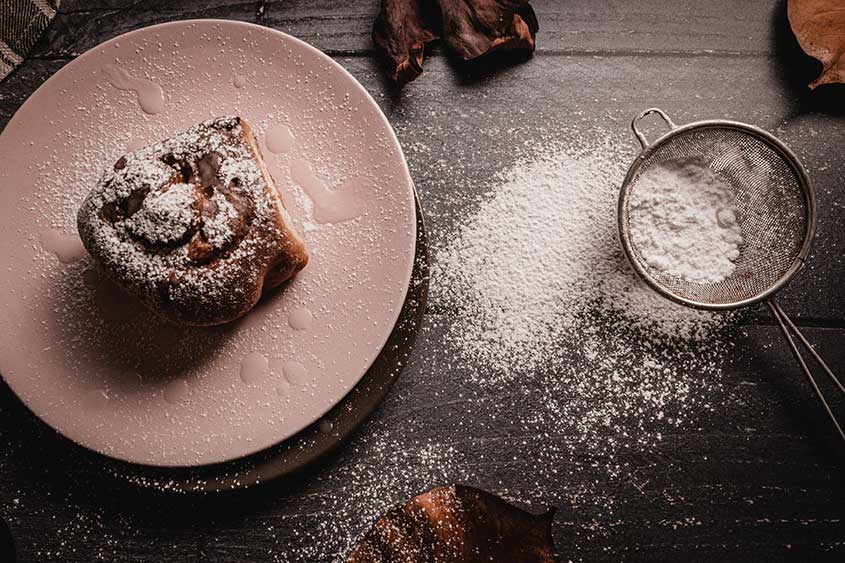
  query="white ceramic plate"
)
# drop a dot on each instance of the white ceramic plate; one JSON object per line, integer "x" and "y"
{"x": 113, "y": 377}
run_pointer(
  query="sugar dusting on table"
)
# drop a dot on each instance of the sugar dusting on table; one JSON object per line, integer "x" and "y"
{"x": 529, "y": 288}
{"x": 539, "y": 270}
{"x": 527, "y": 291}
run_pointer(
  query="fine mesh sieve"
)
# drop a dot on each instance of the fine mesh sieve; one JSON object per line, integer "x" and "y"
{"x": 774, "y": 200}
{"x": 775, "y": 208}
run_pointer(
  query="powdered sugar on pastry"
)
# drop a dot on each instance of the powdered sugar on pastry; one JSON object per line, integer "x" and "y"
{"x": 193, "y": 224}
{"x": 165, "y": 216}
{"x": 219, "y": 229}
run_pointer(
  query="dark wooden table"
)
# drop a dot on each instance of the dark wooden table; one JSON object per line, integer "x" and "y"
{"x": 760, "y": 478}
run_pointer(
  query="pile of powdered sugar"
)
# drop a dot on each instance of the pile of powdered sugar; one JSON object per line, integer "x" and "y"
{"x": 683, "y": 221}
{"x": 541, "y": 262}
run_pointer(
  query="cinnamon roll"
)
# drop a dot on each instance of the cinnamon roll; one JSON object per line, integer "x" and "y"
{"x": 193, "y": 225}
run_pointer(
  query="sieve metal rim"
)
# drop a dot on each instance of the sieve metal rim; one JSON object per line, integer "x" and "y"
{"x": 674, "y": 130}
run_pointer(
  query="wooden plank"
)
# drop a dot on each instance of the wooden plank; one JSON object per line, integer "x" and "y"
{"x": 23, "y": 81}
{"x": 332, "y": 26}
{"x": 462, "y": 126}
{"x": 575, "y": 26}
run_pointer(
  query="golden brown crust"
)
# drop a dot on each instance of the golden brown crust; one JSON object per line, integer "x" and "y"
{"x": 295, "y": 256}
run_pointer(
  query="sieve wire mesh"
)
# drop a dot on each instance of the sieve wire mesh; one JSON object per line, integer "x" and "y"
{"x": 774, "y": 211}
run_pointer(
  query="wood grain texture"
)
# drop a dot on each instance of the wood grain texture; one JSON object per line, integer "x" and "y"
{"x": 759, "y": 478}
{"x": 753, "y": 478}
{"x": 574, "y": 26}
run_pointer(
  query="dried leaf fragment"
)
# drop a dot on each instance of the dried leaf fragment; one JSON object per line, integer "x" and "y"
{"x": 473, "y": 28}
{"x": 819, "y": 26}
{"x": 457, "y": 524}
{"x": 402, "y": 30}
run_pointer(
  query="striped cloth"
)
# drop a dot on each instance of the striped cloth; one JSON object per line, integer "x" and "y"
{"x": 21, "y": 24}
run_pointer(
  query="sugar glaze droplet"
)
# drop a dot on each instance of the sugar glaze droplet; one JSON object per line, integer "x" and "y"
{"x": 279, "y": 139}
{"x": 254, "y": 367}
{"x": 149, "y": 94}
{"x": 300, "y": 319}
{"x": 67, "y": 248}
{"x": 295, "y": 372}
{"x": 330, "y": 206}
{"x": 176, "y": 391}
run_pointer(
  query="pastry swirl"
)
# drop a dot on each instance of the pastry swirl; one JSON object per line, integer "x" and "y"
{"x": 193, "y": 225}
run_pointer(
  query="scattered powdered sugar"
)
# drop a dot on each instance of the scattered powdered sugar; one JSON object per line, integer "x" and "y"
{"x": 541, "y": 262}
{"x": 556, "y": 353}
{"x": 565, "y": 371}
{"x": 385, "y": 472}
{"x": 562, "y": 343}
{"x": 683, "y": 221}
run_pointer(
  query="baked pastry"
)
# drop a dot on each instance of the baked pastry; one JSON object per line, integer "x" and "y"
{"x": 193, "y": 225}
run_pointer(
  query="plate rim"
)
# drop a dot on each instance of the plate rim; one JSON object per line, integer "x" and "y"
{"x": 267, "y": 466}
{"x": 404, "y": 170}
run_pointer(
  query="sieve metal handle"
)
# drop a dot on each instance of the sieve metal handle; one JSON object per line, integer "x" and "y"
{"x": 640, "y": 136}
{"x": 788, "y": 328}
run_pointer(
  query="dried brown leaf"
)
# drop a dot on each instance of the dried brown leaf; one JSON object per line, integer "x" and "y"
{"x": 819, "y": 26}
{"x": 402, "y": 30}
{"x": 457, "y": 524}
{"x": 473, "y": 28}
